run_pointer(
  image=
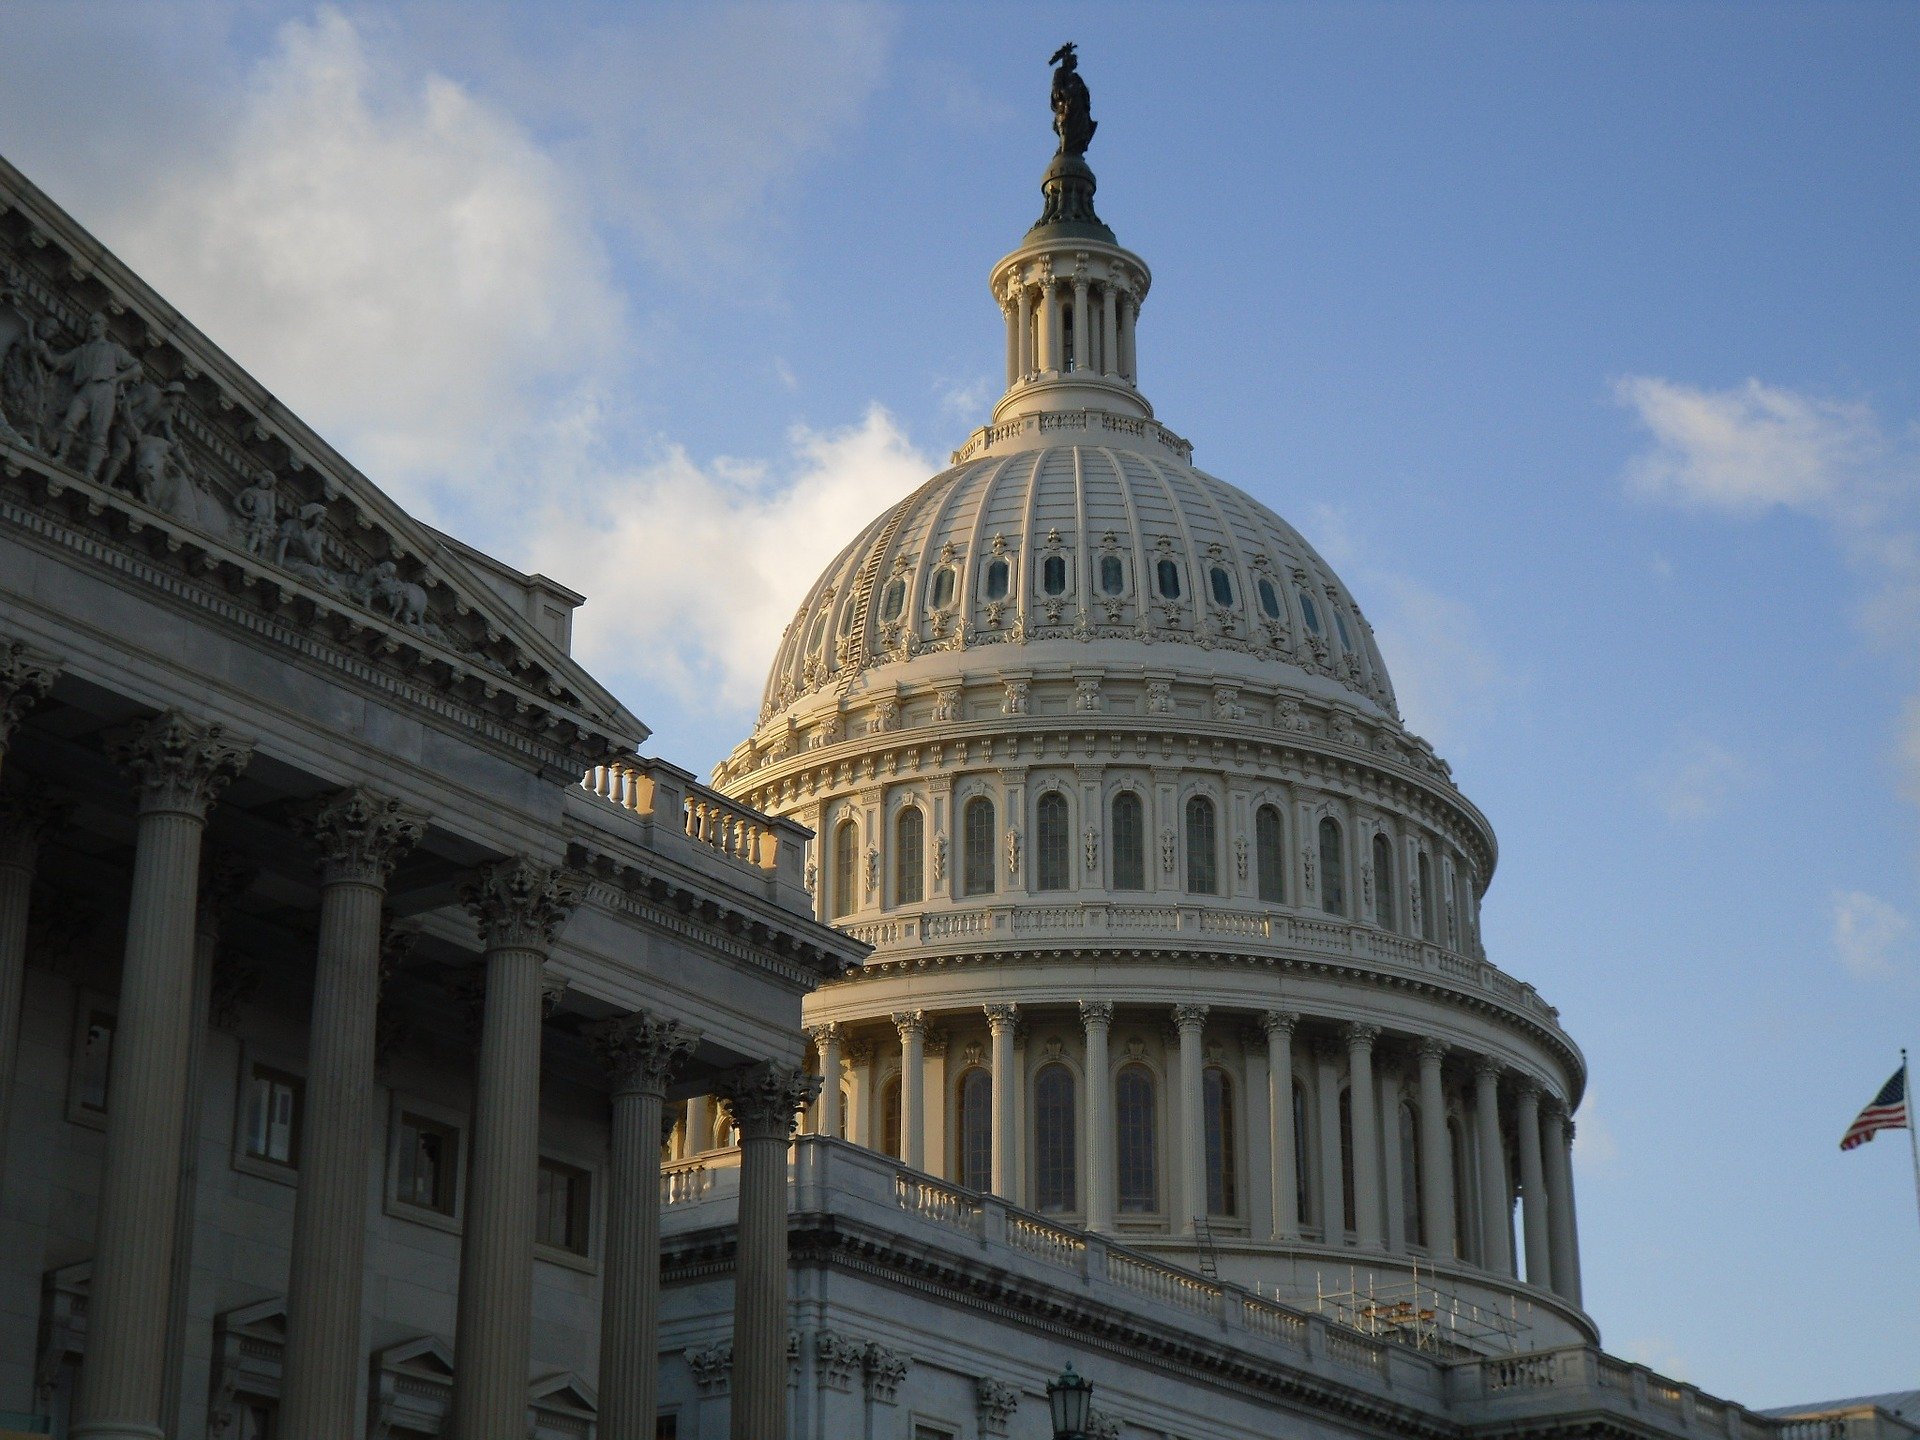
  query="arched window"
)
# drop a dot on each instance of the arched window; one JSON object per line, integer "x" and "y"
{"x": 1053, "y": 575}
{"x": 1428, "y": 899}
{"x": 1203, "y": 869}
{"x": 1348, "y": 1210}
{"x": 1167, "y": 572}
{"x": 818, "y": 635}
{"x": 1133, "y": 1123}
{"x": 1333, "y": 870}
{"x": 846, "y": 1104}
{"x": 1217, "y": 1097}
{"x": 1464, "y": 1236}
{"x": 1054, "y": 1140}
{"x": 998, "y": 573}
{"x": 890, "y": 1117}
{"x": 977, "y": 843}
{"x": 1383, "y": 879}
{"x": 1411, "y": 1180}
{"x": 846, "y": 867}
{"x": 941, "y": 595}
{"x": 976, "y": 1129}
{"x": 1269, "y": 599}
{"x": 895, "y": 600}
{"x": 1340, "y": 624}
{"x": 1462, "y": 906}
{"x": 1113, "y": 575}
{"x": 1303, "y": 1191}
{"x": 1129, "y": 842}
{"x": 1269, "y": 854}
{"x": 1053, "y": 846}
{"x": 1222, "y": 585}
{"x": 909, "y": 856}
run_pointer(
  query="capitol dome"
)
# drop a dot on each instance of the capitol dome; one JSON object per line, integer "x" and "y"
{"x": 1175, "y": 925}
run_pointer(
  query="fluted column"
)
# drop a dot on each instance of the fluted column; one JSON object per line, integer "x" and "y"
{"x": 1563, "y": 1266}
{"x": 912, "y": 1025}
{"x": 1534, "y": 1207}
{"x": 762, "y": 1100}
{"x": 360, "y": 835}
{"x": 1129, "y": 314}
{"x": 1012, "y": 313}
{"x": 1191, "y": 1023}
{"x": 180, "y": 766}
{"x": 25, "y": 679}
{"x": 1096, "y": 1016}
{"x": 826, "y": 1039}
{"x": 1109, "y": 332}
{"x": 520, "y": 906}
{"x": 1025, "y": 303}
{"x": 1436, "y": 1168}
{"x": 1082, "y": 345}
{"x": 25, "y": 820}
{"x": 1366, "y": 1135}
{"x": 1052, "y": 336}
{"x": 1279, "y": 1026}
{"x": 1000, "y": 1022}
{"x": 1496, "y": 1201}
{"x": 640, "y": 1052}
{"x": 1571, "y": 1213}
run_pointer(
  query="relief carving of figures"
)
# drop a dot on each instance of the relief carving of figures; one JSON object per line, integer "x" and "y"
{"x": 873, "y": 872}
{"x": 382, "y": 591}
{"x": 257, "y": 509}
{"x": 1169, "y": 850}
{"x": 141, "y": 406}
{"x": 939, "y": 858}
{"x": 1093, "y": 851}
{"x": 1240, "y": 856}
{"x": 98, "y": 366}
{"x": 1013, "y": 851}
{"x": 1306, "y": 862}
{"x": 161, "y": 474}
{"x": 26, "y": 379}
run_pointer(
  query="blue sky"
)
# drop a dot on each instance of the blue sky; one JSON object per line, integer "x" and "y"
{"x": 1581, "y": 339}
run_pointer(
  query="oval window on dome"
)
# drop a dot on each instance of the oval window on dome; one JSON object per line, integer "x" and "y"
{"x": 1269, "y": 599}
{"x": 1222, "y": 584}
{"x": 941, "y": 595}
{"x": 1053, "y": 575}
{"x": 1340, "y": 624}
{"x": 997, "y": 575}
{"x": 1307, "y": 609}
{"x": 894, "y": 601}
{"x": 1113, "y": 575}
{"x": 1168, "y": 574}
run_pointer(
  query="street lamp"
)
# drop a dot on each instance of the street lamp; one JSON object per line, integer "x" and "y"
{"x": 1071, "y": 1399}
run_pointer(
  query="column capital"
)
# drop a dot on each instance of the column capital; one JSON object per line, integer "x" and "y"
{"x": 1485, "y": 1067}
{"x": 1358, "y": 1036}
{"x": 1001, "y": 1017}
{"x": 825, "y": 1035}
{"x": 1431, "y": 1047}
{"x": 762, "y": 1099}
{"x": 360, "y": 834}
{"x": 26, "y": 818}
{"x": 519, "y": 903}
{"x": 26, "y": 677}
{"x": 1527, "y": 1090}
{"x": 178, "y": 763}
{"x": 1189, "y": 1017}
{"x": 910, "y": 1023}
{"x": 1280, "y": 1022}
{"x": 1555, "y": 1107}
{"x": 641, "y": 1051}
{"x": 1096, "y": 1012}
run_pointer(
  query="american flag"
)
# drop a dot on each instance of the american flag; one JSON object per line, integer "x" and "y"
{"x": 1886, "y": 1111}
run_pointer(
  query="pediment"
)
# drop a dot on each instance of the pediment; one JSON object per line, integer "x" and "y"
{"x": 427, "y": 1356}
{"x": 266, "y": 1320}
{"x": 122, "y": 422}
{"x": 563, "y": 1392}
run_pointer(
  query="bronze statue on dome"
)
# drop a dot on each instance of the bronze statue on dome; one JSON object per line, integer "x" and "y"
{"x": 1073, "y": 119}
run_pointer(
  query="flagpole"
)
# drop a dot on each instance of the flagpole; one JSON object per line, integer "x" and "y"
{"x": 1913, "y": 1124}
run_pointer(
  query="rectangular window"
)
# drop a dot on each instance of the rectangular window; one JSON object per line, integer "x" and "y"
{"x": 667, "y": 1427}
{"x": 93, "y": 1065}
{"x": 271, "y": 1130}
{"x": 424, "y": 1163}
{"x": 560, "y": 1221}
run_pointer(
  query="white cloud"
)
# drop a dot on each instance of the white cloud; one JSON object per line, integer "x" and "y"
{"x": 693, "y": 569}
{"x": 1693, "y": 779}
{"x": 968, "y": 400}
{"x": 1595, "y": 1147}
{"x": 1868, "y": 934}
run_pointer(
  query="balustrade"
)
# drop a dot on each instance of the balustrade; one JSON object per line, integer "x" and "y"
{"x": 1163, "y": 1282}
{"x": 1049, "y": 1242}
{"x": 942, "y": 1204}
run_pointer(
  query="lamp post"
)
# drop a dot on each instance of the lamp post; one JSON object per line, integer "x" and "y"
{"x": 1071, "y": 1400}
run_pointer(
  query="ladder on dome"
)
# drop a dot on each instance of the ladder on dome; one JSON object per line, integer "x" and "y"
{"x": 1203, "y": 1243}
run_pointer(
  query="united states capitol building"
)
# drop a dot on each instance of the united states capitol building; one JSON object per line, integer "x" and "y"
{"x": 387, "y": 1050}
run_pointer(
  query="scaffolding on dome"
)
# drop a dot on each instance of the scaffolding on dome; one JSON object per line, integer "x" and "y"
{"x": 1419, "y": 1314}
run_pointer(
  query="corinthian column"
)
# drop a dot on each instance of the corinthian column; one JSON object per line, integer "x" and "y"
{"x": 25, "y": 679}
{"x": 640, "y": 1052}
{"x": 360, "y": 835}
{"x": 25, "y": 820}
{"x": 1436, "y": 1167}
{"x": 1000, "y": 1022}
{"x": 1097, "y": 1017}
{"x": 520, "y": 906}
{"x": 1553, "y": 1140}
{"x": 180, "y": 766}
{"x": 826, "y": 1039}
{"x": 1191, "y": 1021}
{"x": 1496, "y": 1201}
{"x": 1533, "y": 1186}
{"x": 1280, "y": 1025}
{"x": 762, "y": 1100}
{"x": 912, "y": 1025}
{"x": 1366, "y": 1135}
{"x": 1082, "y": 344}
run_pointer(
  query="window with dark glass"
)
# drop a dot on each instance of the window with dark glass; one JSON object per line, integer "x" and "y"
{"x": 976, "y": 1129}
{"x": 1203, "y": 870}
{"x": 894, "y": 601}
{"x": 890, "y": 1117}
{"x": 819, "y": 632}
{"x": 272, "y": 1123}
{"x": 1428, "y": 899}
{"x": 560, "y": 1212}
{"x": 1410, "y": 1176}
{"x": 1055, "y": 1143}
{"x": 1347, "y": 1208}
{"x": 1333, "y": 869}
{"x": 1217, "y": 1097}
{"x": 1307, "y": 609}
{"x": 845, "y": 867}
{"x": 977, "y": 846}
{"x": 427, "y": 1154}
{"x": 1053, "y": 575}
{"x": 1053, "y": 843}
{"x": 1383, "y": 879}
{"x": 1222, "y": 584}
{"x": 1269, "y": 853}
{"x": 1134, "y": 1151}
{"x": 1129, "y": 842}
{"x": 254, "y": 1419}
{"x": 942, "y": 592}
{"x": 1113, "y": 575}
{"x": 1168, "y": 574}
{"x": 1302, "y": 1190}
{"x": 93, "y": 1066}
{"x": 998, "y": 573}
{"x": 1340, "y": 624}
{"x": 909, "y": 856}
{"x": 1066, "y": 338}
{"x": 1269, "y": 599}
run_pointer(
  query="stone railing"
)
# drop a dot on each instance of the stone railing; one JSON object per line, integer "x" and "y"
{"x": 1546, "y": 1382}
{"x": 685, "y": 1181}
{"x": 1156, "y": 1281}
{"x": 942, "y": 1204}
{"x": 1049, "y": 1242}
